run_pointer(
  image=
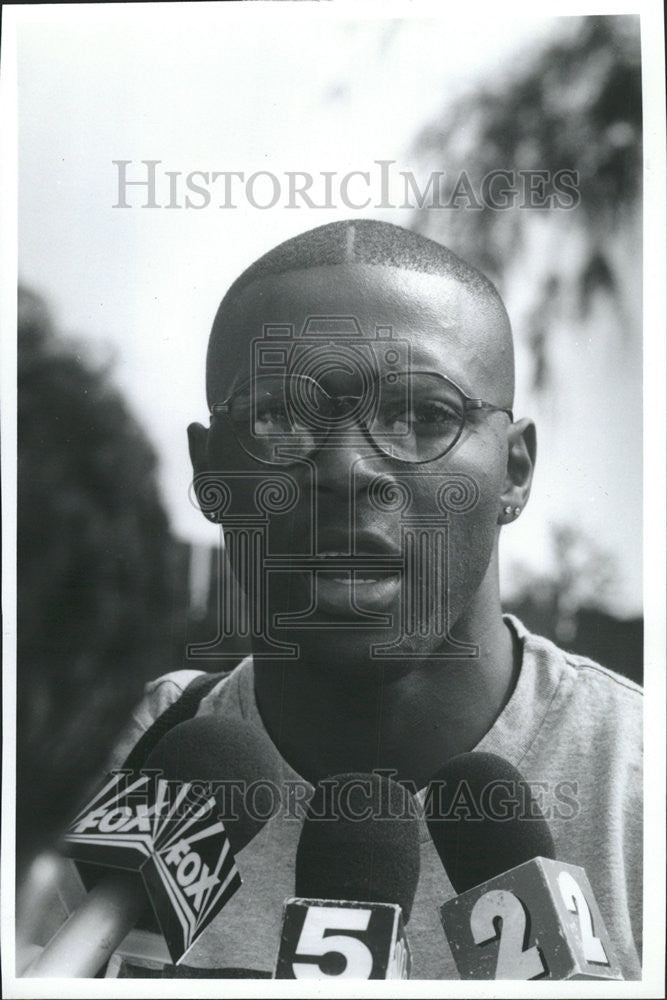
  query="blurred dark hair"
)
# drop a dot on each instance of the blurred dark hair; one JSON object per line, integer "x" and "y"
{"x": 94, "y": 584}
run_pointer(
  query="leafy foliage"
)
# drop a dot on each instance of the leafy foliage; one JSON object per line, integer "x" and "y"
{"x": 95, "y": 570}
{"x": 574, "y": 105}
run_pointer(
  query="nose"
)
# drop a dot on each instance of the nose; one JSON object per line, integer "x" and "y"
{"x": 347, "y": 462}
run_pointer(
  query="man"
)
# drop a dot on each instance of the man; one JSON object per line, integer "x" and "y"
{"x": 365, "y": 376}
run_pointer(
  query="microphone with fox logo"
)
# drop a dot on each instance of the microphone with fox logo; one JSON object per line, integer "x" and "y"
{"x": 164, "y": 840}
{"x": 520, "y": 914}
{"x": 357, "y": 868}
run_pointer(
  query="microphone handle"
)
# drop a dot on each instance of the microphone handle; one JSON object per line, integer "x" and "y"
{"x": 93, "y": 932}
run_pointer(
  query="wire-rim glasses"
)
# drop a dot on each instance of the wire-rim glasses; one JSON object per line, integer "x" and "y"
{"x": 413, "y": 417}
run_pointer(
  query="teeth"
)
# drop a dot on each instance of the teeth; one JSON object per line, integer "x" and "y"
{"x": 346, "y": 579}
{"x": 345, "y": 555}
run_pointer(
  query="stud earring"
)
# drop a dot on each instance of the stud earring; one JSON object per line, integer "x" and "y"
{"x": 517, "y": 511}
{"x": 507, "y": 510}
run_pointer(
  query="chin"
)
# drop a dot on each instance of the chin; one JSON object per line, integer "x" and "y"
{"x": 361, "y": 631}
{"x": 335, "y": 651}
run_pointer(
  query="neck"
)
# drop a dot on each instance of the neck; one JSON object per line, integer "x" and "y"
{"x": 410, "y": 717}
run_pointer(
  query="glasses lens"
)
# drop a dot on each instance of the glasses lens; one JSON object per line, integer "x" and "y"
{"x": 268, "y": 423}
{"x": 416, "y": 416}
{"x": 419, "y": 416}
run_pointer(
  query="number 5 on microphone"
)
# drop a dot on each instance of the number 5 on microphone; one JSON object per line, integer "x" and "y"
{"x": 323, "y": 939}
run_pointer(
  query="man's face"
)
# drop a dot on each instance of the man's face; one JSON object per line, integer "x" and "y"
{"x": 348, "y": 498}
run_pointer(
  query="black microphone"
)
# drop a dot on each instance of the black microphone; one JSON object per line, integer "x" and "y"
{"x": 520, "y": 913}
{"x": 357, "y": 868}
{"x": 167, "y": 839}
{"x": 231, "y": 757}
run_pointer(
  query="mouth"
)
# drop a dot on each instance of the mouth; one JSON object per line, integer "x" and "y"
{"x": 350, "y": 594}
{"x": 356, "y": 573}
{"x": 336, "y": 544}
{"x": 355, "y": 570}
{"x": 349, "y": 576}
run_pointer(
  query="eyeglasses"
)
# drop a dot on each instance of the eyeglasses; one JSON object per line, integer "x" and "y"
{"x": 411, "y": 416}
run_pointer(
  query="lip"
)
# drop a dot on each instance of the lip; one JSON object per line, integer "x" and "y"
{"x": 347, "y": 593}
{"x": 345, "y": 590}
{"x": 359, "y": 543}
{"x": 349, "y": 574}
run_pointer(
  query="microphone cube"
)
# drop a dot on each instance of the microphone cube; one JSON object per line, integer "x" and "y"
{"x": 172, "y": 839}
{"x": 328, "y": 939}
{"x": 539, "y": 920}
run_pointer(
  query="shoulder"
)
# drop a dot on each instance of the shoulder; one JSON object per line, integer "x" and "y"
{"x": 585, "y": 755}
{"x": 161, "y": 692}
{"x": 602, "y": 689}
{"x": 579, "y": 699}
{"x": 592, "y": 708}
{"x": 580, "y": 671}
{"x": 611, "y": 710}
{"x": 158, "y": 696}
{"x": 593, "y": 676}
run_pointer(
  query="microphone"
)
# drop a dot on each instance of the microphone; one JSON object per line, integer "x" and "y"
{"x": 357, "y": 868}
{"x": 520, "y": 913}
{"x": 160, "y": 840}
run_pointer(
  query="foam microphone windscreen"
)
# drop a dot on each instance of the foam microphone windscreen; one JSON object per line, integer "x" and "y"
{"x": 234, "y": 759}
{"x": 162, "y": 852}
{"x": 483, "y": 819}
{"x": 360, "y": 842}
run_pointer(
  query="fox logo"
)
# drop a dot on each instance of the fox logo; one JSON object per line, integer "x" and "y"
{"x": 191, "y": 872}
{"x": 175, "y": 841}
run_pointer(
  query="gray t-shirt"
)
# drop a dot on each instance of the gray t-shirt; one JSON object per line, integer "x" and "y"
{"x": 574, "y": 730}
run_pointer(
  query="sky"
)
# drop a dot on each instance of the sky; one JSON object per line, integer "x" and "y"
{"x": 219, "y": 88}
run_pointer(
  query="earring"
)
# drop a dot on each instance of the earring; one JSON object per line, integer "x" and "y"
{"x": 517, "y": 511}
{"x": 507, "y": 510}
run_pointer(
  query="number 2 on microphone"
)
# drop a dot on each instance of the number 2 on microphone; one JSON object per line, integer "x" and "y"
{"x": 513, "y": 961}
{"x": 575, "y": 901}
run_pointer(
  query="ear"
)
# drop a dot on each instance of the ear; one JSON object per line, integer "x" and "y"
{"x": 198, "y": 448}
{"x": 521, "y": 452}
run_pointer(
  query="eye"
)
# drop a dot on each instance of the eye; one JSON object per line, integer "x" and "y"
{"x": 426, "y": 417}
{"x": 271, "y": 416}
{"x": 433, "y": 416}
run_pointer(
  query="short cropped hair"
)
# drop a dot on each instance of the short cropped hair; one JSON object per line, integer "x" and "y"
{"x": 364, "y": 241}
